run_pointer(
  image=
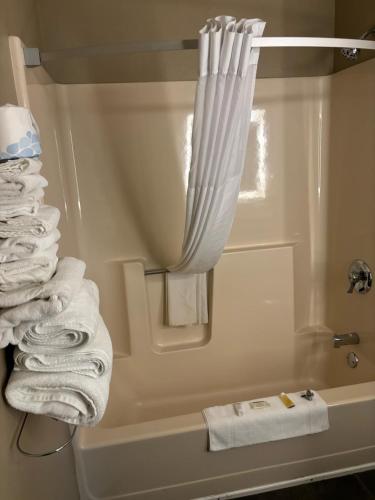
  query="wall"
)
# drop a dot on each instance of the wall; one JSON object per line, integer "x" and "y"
{"x": 351, "y": 215}
{"x": 23, "y": 477}
{"x": 351, "y": 20}
{"x": 93, "y": 22}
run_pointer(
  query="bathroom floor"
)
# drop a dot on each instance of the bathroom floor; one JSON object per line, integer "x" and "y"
{"x": 355, "y": 487}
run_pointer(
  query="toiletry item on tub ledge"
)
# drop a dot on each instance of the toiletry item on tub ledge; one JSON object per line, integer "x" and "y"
{"x": 269, "y": 419}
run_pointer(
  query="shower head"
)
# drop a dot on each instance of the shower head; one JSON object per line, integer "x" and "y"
{"x": 352, "y": 54}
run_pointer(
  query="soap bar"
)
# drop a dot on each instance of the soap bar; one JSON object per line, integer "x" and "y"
{"x": 258, "y": 405}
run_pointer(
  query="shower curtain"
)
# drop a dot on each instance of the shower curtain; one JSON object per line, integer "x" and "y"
{"x": 223, "y": 102}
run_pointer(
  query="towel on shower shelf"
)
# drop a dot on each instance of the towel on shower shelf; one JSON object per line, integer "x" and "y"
{"x": 186, "y": 297}
{"x": 14, "y": 187}
{"x": 65, "y": 332}
{"x": 232, "y": 426}
{"x": 24, "y": 272}
{"x": 40, "y": 224}
{"x": 19, "y": 133}
{"x": 69, "y": 397}
{"x": 35, "y": 302}
{"x": 28, "y": 204}
{"x": 22, "y": 247}
{"x": 92, "y": 359}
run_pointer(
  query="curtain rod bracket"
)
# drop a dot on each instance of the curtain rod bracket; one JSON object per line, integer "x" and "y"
{"x": 32, "y": 57}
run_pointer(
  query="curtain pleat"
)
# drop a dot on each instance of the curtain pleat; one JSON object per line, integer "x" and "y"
{"x": 222, "y": 112}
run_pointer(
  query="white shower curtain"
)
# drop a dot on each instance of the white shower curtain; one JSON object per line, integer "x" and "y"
{"x": 225, "y": 90}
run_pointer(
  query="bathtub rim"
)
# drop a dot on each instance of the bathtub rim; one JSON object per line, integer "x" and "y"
{"x": 95, "y": 437}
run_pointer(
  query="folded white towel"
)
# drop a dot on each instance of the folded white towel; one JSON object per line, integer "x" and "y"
{"x": 70, "y": 397}
{"x": 35, "y": 302}
{"x": 92, "y": 359}
{"x": 22, "y": 247}
{"x": 37, "y": 225}
{"x": 186, "y": 297}
{"x": 33, "y": 270}
{"x": 18, "y": 186}
{"x": 230, "y": 429}
{"x": 24, "y": 205}
{"x": 19, "y": 133}
{"x": 65, "y": 332}
{"x": 20, "y": 166}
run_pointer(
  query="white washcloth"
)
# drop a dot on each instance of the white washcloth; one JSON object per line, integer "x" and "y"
{"x": 27, "y": 204}
{"x": 19, "y": 133}
{"x": 21, "y": 166}
{"x": 92, "y": 359}
{"x": 186, "y": 297}
{"x": 18, "y": 186}
{"x": 230, "y": 429}
{"x": 70, "y": 397}
{"x": 45, "y": 221}
{"x": 66, "y": 331}
{"x": 24, "y": 272}
{"x": 22, "y": 247}
{"x": 36, "y": 302}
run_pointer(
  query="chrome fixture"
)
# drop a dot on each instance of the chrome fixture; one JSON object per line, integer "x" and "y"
{"x": 308, "y": 395}
{"x": 351, "y": 338}
{"x": 352, "y": 359}
{"x": 360, "y": 277}
{"x": 352, "y": 53}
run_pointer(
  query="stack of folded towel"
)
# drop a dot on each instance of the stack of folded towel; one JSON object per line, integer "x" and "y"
{"x": 63, "y": 358}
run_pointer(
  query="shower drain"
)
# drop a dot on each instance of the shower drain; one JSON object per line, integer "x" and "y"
{"x": 352, "y": 359}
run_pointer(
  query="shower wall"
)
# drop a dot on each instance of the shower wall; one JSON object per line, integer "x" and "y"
{"x": 351, "y": 214}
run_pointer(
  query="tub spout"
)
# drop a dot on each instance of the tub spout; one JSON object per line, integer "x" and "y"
{"x": 351, "y": 338}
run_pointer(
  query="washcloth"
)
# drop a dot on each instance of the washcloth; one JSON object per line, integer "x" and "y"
{"x": 17, "y": 186}
{"x": 186, "y": 297}
{"x": 35, "y": 302}
{"x": 22, "y": 247}
{"x": 24, "y": 272}
{"x": 92, "y": 359}
{"x": 38, "y": 225}
{"x": 21, "y": 166}
{"x": 70, "y": 397}
{"x": 65, "y": 332}
{"x": 19, "y": 133}
{"x": 232, "y": 426}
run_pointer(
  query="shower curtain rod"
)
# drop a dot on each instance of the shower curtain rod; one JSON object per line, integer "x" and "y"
{"x": 36, "y": 57}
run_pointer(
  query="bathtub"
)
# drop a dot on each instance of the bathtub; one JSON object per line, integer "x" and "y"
{"x": 152, "y": 442}
{"x": 167, "y": 458}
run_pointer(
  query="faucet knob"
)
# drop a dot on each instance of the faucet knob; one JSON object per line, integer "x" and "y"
{"x": 360, "y": 277}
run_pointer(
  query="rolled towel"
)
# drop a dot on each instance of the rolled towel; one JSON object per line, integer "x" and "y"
{"x": 20, "y": 166}
{"x": 36, "y": 225}
{"x": 22, "y": 247}
{"x": 64, "y": 333}
{"x": 27, "y": 204}
{"x": 69, "y": 397}
{"x": 19, "y": 133}
{"x": 92, "y": 359}
{"x": 24, "y": 272}
{"x": 16, "y": 187}
{"x": 35, "y": 302}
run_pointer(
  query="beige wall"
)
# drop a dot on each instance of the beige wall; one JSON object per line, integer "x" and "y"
{"x": 22, "y": 477}
{"x": 351, "y": 20}
{"x": 73, "y": 23}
